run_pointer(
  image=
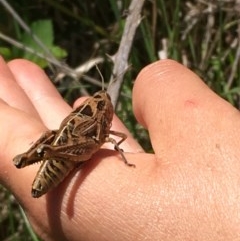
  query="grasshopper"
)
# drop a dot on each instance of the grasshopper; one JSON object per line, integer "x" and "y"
{"x": 80, "y": 135}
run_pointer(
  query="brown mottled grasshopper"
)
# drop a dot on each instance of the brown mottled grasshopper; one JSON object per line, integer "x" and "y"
{"x": 80, "y": 135}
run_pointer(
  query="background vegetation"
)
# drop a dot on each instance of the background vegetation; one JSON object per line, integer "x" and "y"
{"x": 203, "y": 35}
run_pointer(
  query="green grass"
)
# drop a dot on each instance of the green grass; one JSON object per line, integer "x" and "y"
{"x": 202, "y": 36}
{"x": 14, "y": 225}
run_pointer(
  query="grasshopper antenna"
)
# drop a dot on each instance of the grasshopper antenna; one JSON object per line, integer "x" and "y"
{"x": 98, "y": 70}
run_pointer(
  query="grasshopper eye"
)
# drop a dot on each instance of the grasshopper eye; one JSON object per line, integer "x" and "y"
{"x": 40, "y": 152}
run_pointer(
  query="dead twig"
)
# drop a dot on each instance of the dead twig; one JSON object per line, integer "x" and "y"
{"x": 121, "y": 57}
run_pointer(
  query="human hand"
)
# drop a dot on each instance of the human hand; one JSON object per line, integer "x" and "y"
{"x": 187, "y": 190}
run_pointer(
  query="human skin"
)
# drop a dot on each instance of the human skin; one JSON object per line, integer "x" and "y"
{"x": 189, "y": 189}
